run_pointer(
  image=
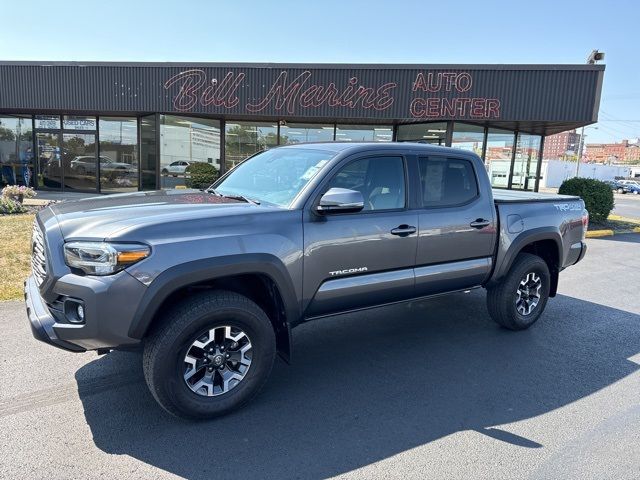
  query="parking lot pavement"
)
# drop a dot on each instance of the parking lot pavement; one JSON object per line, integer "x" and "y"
{"x": 627, "y": 205}
{"x": 428, "y": 390}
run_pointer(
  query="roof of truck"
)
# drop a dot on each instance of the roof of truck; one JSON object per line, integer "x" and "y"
{"x": 354, "y": 146}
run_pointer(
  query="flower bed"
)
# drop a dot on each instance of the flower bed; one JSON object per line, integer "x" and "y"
{"x": 12, "y": 198}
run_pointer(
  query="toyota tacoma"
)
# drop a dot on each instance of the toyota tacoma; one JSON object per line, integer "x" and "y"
{"x": 209, "y": 284}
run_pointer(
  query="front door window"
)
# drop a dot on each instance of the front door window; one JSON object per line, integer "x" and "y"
{"x": 80, "y": 166}
{"x": 49, "y": 167}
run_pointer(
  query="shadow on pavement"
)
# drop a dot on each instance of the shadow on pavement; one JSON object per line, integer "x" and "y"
{"x": 365, "y": 387}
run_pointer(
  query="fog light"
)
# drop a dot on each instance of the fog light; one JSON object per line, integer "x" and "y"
{"x": 74, "y": 310}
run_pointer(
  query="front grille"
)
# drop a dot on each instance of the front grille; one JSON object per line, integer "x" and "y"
{"x": 38, "y": 258}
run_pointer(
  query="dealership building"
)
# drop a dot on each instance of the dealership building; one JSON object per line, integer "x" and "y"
{"x": 120, "y": 127}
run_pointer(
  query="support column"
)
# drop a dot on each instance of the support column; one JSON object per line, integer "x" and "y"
{"x": 539, "y": 167}
{"x": 513, "y": 160}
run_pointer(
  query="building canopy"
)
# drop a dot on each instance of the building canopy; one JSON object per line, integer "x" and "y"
{"x": 537, "y": 99}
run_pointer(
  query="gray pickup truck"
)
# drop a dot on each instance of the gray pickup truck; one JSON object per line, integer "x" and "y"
{"x": 210, "y": 283}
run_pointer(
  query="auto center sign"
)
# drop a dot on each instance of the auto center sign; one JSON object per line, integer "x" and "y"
{"x": 459, "y": 106}
{"x": 423, "y": 94}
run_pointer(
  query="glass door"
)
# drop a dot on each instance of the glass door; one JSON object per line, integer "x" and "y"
{"x": 79, "y": 162}
{"x": 49, "y": 167}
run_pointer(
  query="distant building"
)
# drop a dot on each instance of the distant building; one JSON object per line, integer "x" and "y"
{"x": 561, "y": 145}
{"x": 632, "y": 153}
{"x": 623, "y": 152}
{"x": 499, "y": 153}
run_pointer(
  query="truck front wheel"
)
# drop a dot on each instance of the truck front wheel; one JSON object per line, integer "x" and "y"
{"x": 210, "y": 354}
{"x": 521, "y": 296}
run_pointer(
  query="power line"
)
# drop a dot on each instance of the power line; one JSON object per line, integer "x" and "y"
{"x": 618, "y": 120}
{"x": 627, "y": 123}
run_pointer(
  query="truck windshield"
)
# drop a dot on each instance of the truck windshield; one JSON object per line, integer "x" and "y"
{"x": 274, "y": 176}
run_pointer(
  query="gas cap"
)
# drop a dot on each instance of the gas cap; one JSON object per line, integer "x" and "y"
{"x": 515, "y": 224}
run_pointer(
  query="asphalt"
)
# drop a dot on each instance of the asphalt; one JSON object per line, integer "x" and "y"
{"x": 627, "y": 205}
{"x": 428, "y": 390}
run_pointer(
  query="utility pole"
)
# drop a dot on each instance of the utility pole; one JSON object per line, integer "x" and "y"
{"x": 580, "y": 145}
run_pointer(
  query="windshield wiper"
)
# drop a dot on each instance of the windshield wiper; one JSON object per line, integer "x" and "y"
{"x": 234, "y": 196}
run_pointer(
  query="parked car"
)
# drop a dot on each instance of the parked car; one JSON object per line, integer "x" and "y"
{"x": 86, "y": 165}
{"x": 210, "y": 283}
{"x": 617, "y": 186}
{"x": 175, "y": 168}
{"x": 632, "y": 186}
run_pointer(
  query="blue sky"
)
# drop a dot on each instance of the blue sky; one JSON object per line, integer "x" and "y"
{"x": 342, "y": 31}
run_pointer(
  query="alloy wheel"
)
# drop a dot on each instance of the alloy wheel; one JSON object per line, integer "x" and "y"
{"x": 217, "y": 361}
{"x": 528, "y": 293}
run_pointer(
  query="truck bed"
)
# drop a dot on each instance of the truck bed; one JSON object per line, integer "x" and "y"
{"x": 515, "y": 196}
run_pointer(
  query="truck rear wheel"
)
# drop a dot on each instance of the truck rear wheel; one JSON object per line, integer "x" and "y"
{"x": 521, "y": 296}
{"x": 209, "y": 355}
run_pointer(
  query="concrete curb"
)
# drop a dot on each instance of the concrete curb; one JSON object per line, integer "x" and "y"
{"x": 610, "y": 233}
{"x": 599, "y": 233}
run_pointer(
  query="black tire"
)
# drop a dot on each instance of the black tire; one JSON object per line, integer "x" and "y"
{"x": 620, "y": 190}
{"x": 166, "y": 346}
{"x": 164, "y": 171}
{"x": 502, "y": 298}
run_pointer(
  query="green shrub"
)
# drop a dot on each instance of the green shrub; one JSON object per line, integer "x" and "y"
{"x": 597, "y": 196}
{"x": 200, "y": 175}
{"x": 9, "y": 206}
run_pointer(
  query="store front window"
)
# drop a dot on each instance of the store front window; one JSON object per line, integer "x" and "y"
{"x": 526, "y": 161}
{"x": 184, "y": 141}
{"x": 48, "y": 122}
{"x": 16, "y": 151}
{"x": 435, "y": 133}
{"x": 79, "y": 161}
{"x": 49, "y": 170}
{"x": 243, "y": 139}
{"x": 66, "y": 158}
{"x": 363, "y": 133}
{"x": 468, "y": 137}
{"x": 498, "y": 156}
{"x": 305, "y": 132}
{"x": 118, "y": 154}
{"x": 78, "y": 123}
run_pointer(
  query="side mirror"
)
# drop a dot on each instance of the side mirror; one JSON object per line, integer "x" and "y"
{"x": 340, "y": 200}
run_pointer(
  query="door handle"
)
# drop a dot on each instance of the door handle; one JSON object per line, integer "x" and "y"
{"x": 403, "y": 230}
{"x": 479, "y": 223}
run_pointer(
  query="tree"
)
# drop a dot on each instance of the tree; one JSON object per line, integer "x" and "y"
{"x": 7, "y": 135}
{"x": 245, "y": 140}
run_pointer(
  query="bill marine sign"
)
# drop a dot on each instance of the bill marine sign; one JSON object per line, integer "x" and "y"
{"x": 435, "y": 95}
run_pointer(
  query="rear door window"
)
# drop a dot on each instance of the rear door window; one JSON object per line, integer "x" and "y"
{"x": 447, "y": 181}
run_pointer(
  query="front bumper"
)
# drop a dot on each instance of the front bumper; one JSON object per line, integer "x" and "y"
{"x": 41, "y": 320}
{"x": 110, "y": 304}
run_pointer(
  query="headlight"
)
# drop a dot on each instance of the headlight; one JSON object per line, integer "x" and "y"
{"x": 100, "y": 258}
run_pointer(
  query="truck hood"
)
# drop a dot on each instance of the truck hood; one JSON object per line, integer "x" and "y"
{"x": 108, "y": 216}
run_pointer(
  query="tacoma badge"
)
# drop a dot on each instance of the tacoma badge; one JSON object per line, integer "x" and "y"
{"x": 347, "y": 271}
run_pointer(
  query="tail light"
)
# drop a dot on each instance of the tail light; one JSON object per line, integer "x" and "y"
{"x": 585, "y": 223}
